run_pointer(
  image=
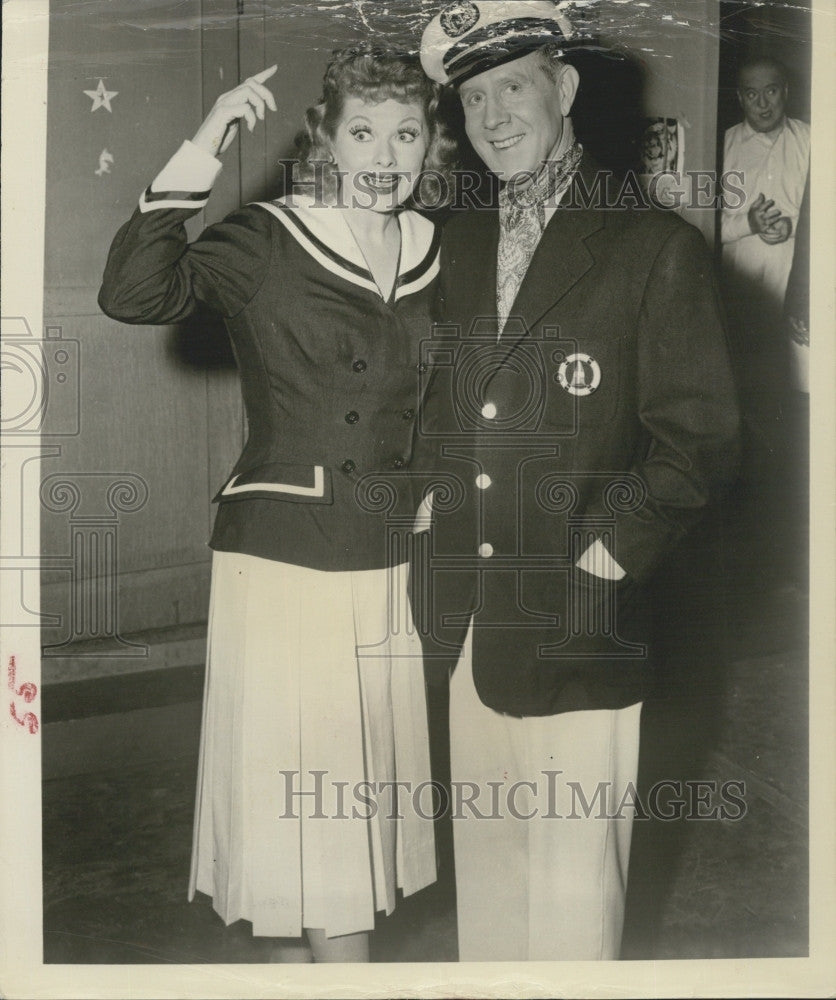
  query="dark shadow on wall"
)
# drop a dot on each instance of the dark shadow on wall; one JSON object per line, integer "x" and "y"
{"x": 201, "y": 342}
{"x": 608, "y": 111}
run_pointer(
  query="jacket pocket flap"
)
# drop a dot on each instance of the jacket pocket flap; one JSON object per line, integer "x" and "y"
{"x": 280, "y": 481}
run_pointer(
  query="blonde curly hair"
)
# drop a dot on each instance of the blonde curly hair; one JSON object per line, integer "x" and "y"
{"x": 375, "y": 74}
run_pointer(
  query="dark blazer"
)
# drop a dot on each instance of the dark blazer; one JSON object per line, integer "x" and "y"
{"x": 329, "y": 370}
{"x": 606, "y": 411}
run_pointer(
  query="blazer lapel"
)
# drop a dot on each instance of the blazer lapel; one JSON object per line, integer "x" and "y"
{"x": 481, "y": 252}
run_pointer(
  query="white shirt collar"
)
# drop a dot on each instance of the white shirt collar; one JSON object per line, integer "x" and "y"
{"x": 771, "y": 137}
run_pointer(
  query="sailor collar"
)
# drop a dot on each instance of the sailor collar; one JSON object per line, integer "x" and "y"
{"x": 324, "y": 234}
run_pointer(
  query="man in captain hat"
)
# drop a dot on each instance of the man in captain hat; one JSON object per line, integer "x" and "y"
{"x": 580, "y": 416}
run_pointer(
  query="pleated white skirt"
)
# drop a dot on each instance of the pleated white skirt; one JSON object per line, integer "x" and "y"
{"x": 314, "y": 684}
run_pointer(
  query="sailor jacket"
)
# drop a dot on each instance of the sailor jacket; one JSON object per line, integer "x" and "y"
{"x": 330, "y": 371}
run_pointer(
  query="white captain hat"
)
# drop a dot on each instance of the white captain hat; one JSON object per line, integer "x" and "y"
{"x": 467, "y": 38}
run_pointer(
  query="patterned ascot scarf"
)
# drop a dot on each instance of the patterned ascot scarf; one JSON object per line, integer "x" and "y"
{"x": 522, "y": 219}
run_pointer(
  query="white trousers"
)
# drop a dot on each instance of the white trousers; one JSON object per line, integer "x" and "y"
{"x": 541, "y": 851}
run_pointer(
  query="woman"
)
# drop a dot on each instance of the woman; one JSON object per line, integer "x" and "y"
{"x": 314, "y": 679}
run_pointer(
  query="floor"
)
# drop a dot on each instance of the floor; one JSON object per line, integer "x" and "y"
{"x": 731, "y": 705}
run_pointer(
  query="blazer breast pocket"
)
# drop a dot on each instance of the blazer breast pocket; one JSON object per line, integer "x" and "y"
{"x": 279, "y": 481}
{"x": 585, "y": 384}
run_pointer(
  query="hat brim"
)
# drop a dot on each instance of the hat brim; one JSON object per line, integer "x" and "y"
{"x": 484, "y": 59}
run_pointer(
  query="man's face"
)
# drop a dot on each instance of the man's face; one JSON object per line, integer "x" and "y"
{"x": 514, "y": 115}
{"x": 763, "y": 96}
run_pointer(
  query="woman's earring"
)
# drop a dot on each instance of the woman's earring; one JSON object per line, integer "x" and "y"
{"x": 332, "y": 158}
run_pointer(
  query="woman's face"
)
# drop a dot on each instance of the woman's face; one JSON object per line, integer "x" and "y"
{"x": 379, "y": 150}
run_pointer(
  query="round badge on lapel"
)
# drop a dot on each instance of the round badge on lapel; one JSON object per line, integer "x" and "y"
{"x": 459, "y": 18}
{"x": 579, "y": 374}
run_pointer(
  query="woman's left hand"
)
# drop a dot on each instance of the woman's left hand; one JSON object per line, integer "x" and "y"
{"x": 247, "y": 102}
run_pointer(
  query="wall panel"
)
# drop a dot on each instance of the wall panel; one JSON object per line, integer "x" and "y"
{"x": 161, "y": 405}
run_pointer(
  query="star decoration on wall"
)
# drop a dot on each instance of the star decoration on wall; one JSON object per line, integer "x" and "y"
{"x": 101, "y": 97}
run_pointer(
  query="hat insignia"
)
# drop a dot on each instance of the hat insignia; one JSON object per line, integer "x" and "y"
{"x": 459, "y": 18}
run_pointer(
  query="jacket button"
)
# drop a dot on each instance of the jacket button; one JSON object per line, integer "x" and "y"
{"x": 489, "y": 411}
{"x": 486, "y": 550}
{"x": 359, "y": 366}
{"x": 352, "y": 417}
{"x": 483, "y": 482}
{"x": 408, "y": 414}
{"x": 399, "y": 463}
{"x": 348, "y": 466}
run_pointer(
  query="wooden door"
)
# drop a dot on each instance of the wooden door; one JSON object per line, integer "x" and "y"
{"x": 159, "y": 408}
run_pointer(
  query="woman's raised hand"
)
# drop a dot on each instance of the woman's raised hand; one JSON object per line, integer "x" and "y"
{"x": 247, "y": 101}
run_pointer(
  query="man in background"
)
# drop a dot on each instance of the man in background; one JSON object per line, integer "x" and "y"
{"x": 771, "y": 152}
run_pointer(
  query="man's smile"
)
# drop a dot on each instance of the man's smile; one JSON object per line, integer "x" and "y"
{"x": 506, "y": 143}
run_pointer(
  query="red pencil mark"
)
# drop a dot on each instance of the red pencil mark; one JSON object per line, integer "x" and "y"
{"x": 28, "y": 693}
{"x": 30, "y": 720}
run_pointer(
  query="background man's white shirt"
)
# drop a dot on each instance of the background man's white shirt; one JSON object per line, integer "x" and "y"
{"x": 775, "y": 165}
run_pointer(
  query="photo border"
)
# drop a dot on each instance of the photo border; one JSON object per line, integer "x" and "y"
{"x": 22, "y": 972}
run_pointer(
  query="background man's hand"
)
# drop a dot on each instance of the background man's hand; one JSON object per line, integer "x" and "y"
{"x": 247, "y": 101}
{"x": 762, "y": 215}
{"x": 779, "y": 232}
{"x": 798, "y": 331}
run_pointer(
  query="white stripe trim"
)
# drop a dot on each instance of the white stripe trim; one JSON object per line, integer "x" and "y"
{"x": 318, "y": 256}
{"x": 328, "y": 225}
{"x": 422, "y": 282}
{"x": 154, "y": 206}
{"x": 317, "y": 490}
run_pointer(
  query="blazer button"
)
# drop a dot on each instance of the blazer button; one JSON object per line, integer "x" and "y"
{"x": 486, "y": 550}
{"x": 348, "y": 466}
{"x": 359, "y": 366}
{"x": 352, "y": 417}
{"x": 484, "y": 482}
{"x": 399, "y": 463}
{"x": 489, "y": 411}
{"x": 408, "y": 414}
